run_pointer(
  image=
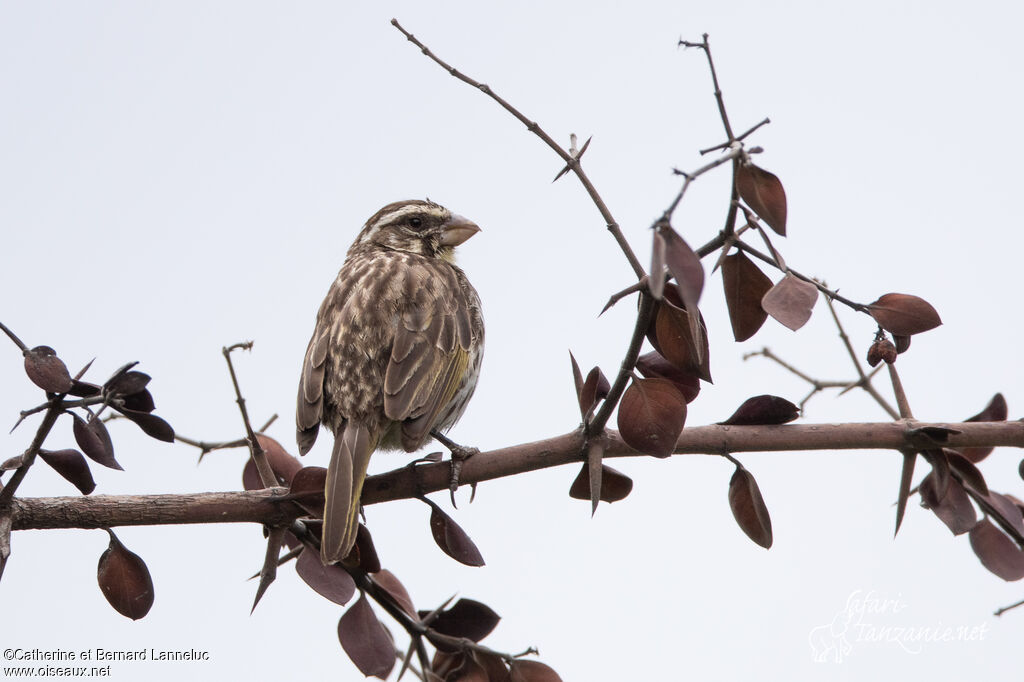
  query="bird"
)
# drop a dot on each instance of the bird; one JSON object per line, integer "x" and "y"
{"x": 395, "y": 353}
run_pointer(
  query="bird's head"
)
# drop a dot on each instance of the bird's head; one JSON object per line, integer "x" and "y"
{"x": 420, "y": 227}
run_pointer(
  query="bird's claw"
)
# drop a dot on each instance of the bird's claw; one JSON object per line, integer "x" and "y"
{"x": 459, "y": 456}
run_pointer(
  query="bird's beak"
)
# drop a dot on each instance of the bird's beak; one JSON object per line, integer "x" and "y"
{"x": 457, "y": 230}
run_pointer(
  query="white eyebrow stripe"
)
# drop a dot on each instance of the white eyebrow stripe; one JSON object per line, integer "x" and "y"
{"x": 400, "y": 213}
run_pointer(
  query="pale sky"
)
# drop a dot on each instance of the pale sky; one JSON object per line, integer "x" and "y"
{"x": 179, "y": 176}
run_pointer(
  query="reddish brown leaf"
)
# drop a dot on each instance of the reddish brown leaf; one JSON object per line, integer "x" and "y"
{"x": 763, "y": 409}
{"x": 71, "y": 465}
{"x": 684, "y": 265}
{"x": 387, "y": 581}
{"x": 656, "y": 281}
{"x": 307, "y": 487}
{"x": 469, "y": 670}
{"x": 46, "y": 370}
{"x": 954, "y": 509}
{"x": 119, "y": 372}
{"x": 494, "y": 666}
{"x": 139, "y": 402}
{"x": 251, "y": 477}
{"x": 940, "y": 474}
{"x": 763, "y": 192}
{"x": 466, "y": 666}
{"x": 284, "y": 465}
{"x": 522, "y": 670}
{"x": 614, "y": 485}
{"x": 446, "y": 665}
{"x": 466, "y": 618}
{"x": 904, "y": 314}
{"x": 366, "y": 552}
{"x": 152, "y": 425}
{"x": 969, "y": 473}
{"x": 995, "y": 411}
{"x": 745, "y": 285}
{"x": 594, "y": 389}
{"x": 125, "y": 580}
{"x": 365, "y": 640}
{"x": 452, "y": 540}
{"x": 902, "y": 343}
{"x": 577, "y": 377}
{"x": 749, "y": 509}
{"x": 679, "y": 339}
{"x": 307, "y": 484}
{"x": 83, "y": 389}
{"x": 653, "y": 364}
{"x": 651, "y": 416}
{"x": 997, "y": 552}
{"x": 1005, "y": 512}
{"x": 126, "y": 383}
{"x": 1016, "y": 500}
{"x": 791, "y": 301}
{"x": 94, "y": 439}
{"x": 12, "y": 463}
{"x": 332, "y": 582}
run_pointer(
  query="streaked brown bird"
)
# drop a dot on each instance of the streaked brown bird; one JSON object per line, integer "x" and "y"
{"x": 395, "y": 353}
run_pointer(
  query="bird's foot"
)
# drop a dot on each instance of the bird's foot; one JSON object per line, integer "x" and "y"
{"x": 460, "y": 453}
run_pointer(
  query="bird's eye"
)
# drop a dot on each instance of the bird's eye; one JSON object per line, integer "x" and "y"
{"x": 416, "y": 222}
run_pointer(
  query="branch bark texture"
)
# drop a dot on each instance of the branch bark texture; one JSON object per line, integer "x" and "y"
{"x": 271, "y": 507}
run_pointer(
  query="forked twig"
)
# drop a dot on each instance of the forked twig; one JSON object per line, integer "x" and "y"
{"x": 259, "y": 456}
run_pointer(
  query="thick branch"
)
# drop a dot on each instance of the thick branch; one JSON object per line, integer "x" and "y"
{"x": 260, "y": 506}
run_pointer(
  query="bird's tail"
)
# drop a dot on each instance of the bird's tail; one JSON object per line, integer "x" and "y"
{"x": 345, "y": 475}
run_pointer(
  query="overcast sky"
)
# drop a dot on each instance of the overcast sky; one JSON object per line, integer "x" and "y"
{"x": 179, "y": 176}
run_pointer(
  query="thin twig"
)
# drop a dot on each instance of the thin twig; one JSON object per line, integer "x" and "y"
{"x": 643, "y": 321}
{"x": 618, "y": 296}
{"x": 67, "y": 405}
{"x": 740, "y": 138}
{"x": 734, "y": 153}
{"x": 13, "y": 337}
{"x": 259, "y": 457}
{"x": 859, "y": 307}
{"x": 706, "y": 46}
{"x": 1003, "y": 609}
{"x": 865, "y": 380}
{"x": 49, "y": 419}
{"x": 533, "y": 127}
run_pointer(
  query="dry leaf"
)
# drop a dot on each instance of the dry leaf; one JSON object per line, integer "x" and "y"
{"x": 615, "y": 485}
{"x": 125, "y": 581}
{"x": 365, "y": 640}
{"x": 651, "y": 416}
{"x": 763, "y": 192}
{"x": 997, "y": 552}
{"x": 904, "y": 314}
{"x": 791, "y": 301}
{"x": 745, "y": 285}
{"x": 749, "y": 509}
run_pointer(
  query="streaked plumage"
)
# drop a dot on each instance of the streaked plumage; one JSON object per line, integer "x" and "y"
{"x": 395, "y": 353}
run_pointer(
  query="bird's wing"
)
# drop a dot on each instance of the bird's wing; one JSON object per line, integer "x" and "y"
{"x": 311, "y": 388}
{"x": 430, "y": 353}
